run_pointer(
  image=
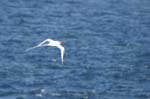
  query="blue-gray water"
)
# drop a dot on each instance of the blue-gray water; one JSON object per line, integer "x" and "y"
{"x": 107, "y": 46}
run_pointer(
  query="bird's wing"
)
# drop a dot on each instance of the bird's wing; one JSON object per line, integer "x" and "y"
{"x": 62, "y": 50}
{"x": 47, "y": 40}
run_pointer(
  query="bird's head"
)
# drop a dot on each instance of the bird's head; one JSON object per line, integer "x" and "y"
{"x": 61, "y": 43}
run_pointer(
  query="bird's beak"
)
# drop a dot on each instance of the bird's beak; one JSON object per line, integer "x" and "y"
{"x": 62, "y": 43}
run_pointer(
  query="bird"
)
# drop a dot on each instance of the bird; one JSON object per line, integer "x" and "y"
{"x": 54, "y": 43}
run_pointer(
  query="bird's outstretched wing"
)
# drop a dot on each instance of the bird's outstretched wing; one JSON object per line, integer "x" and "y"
{"x": 47, "y": 40}
{"x": 62, "y": 50}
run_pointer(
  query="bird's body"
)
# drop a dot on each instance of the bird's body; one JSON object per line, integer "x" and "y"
{"x": 50, "y": 42}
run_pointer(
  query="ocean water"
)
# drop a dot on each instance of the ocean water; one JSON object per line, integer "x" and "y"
{"x": 107, "y": 52}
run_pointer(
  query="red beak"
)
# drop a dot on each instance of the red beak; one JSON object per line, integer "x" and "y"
{"x": 62, "y": 43}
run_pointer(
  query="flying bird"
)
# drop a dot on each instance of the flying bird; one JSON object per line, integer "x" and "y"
{"x": 50, "y": 42}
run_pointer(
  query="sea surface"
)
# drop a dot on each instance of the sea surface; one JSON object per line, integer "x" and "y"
{"x": 107, "y": 49}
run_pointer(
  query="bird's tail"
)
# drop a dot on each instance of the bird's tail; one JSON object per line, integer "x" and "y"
{"x": 35, "y": 47}
{"x": 31, "y": 48}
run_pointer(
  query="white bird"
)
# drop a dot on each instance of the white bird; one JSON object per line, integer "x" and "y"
{"x": 51, "y": 42}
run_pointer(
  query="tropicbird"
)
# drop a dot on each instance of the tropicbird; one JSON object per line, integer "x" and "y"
{"x": 51, "y": 42}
